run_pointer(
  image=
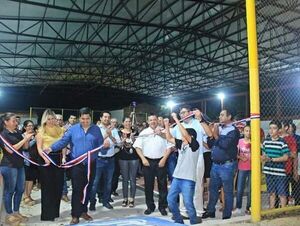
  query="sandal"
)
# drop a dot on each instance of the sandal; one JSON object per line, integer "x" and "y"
{"x": 124, "y": 203}
{"x": 131, "y": 204}
{"x": 29, "y": 201}
{"x": 21, "y": 217}
{"x": 12, "y": 220}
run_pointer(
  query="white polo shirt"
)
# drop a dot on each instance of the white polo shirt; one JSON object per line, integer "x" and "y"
{"x": 153, "y": 146}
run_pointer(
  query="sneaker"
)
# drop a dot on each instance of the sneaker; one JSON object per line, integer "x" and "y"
{"x": 124, "y": 203}
{"x": 198, "y": 220}
{"x": 185, "y": 217}
{"x": 208, "y": 215}
{"x": 237, "y": 211}
{"x": 131, "y": 204}
{"x": 114, "y": 193}
{"x": 108, "y": 206}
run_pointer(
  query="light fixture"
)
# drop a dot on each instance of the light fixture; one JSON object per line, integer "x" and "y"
{"x": 171, "y": 104}
{"x": 221, "y": 96}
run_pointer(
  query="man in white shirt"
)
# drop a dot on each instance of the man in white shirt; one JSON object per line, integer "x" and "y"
{"x": 105, "y": 163}
{"x": 153, "y": 151}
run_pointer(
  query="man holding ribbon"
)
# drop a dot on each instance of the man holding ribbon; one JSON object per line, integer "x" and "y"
{"x": 83, "y": 138}
{"x": 223, "y": 144}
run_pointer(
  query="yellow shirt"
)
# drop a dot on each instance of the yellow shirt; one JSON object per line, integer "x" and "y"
{"x": 50, "y": 135}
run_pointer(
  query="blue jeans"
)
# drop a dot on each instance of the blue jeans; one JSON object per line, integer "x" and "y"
{"x": 221, "y": 175}
{"x": 104, "y": 168}
{"x": 187, "y": 188}
{"x": 171, "y": 164}
{"x": 14, "y": 183}
{"x": 243, "y": 177}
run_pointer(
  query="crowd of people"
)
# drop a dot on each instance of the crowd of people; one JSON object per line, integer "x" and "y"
{"x": 195, "y": 162}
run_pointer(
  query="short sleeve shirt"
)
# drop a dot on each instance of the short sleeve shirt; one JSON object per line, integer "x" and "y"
{"x": 187, "y": 160}
{"x": 11, "y": 159}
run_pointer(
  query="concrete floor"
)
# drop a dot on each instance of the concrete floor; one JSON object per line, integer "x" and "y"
{"x": 102, "y": 214}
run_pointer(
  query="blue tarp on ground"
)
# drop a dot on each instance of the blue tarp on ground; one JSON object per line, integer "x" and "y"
{"x": 132, "y": 221}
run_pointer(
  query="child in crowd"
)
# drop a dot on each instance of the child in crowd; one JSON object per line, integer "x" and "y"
{"x": 184, "y": 176}
{"x": 244, "y": 170}
{"x": 291, "y": 142}
{"x": 275, "y": 155}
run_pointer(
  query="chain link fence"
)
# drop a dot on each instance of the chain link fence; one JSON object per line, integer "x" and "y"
{"x": 278, "y": 24}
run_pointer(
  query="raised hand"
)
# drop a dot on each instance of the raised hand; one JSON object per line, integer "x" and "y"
{"x": 108, "y": 131}
{"x": 28, "y": 136}
{"x": 166, "y": 122}
{"x": 174, "y": 116}
{"x": 157, "y": 131}
{"x": 106, "y": 143}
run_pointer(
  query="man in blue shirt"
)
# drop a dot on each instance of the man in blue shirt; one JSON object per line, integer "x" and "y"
{"x": 223, "y": 145}
{"x": 105, "y": 162}
{"x": 82, "y": 138}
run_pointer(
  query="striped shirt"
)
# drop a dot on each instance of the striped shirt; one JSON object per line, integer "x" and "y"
{"x": 275, "y": 149}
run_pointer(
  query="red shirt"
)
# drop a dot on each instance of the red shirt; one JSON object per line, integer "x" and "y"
{"x": 292, "y": 145}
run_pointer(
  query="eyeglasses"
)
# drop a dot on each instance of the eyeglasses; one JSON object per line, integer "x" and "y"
{"x": 183, "y": 112}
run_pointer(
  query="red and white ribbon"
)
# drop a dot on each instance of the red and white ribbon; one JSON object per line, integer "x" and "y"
{"x": 66, "y": 165}
{"x": 13, "y": 150}
{"x": 88, "y": 177}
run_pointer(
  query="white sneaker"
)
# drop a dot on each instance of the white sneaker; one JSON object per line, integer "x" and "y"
{"x": 237, "y": 211}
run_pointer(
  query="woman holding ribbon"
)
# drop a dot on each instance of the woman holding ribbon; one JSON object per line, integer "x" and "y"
{"x": 51, "y": 177}
{"x": 31, "y": 170}
{"x": 12, "y": 167}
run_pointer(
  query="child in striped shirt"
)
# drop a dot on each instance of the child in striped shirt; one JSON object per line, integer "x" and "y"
{"x": 275, "y": 154}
